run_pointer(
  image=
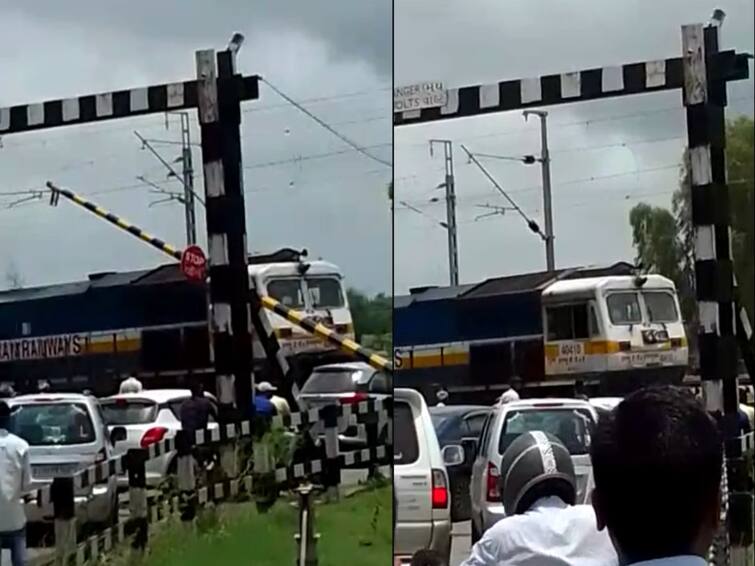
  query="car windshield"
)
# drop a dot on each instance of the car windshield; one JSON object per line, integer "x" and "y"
{"x": 624, "y": 308}
{"x": 332, "y": 381}
{"x": 119, "y": 412}
{"x": 660, "y": 306}
{"x": 325, "y": 292}
{"x": 405, "y": 445}
{"x": 571, "y": 426}
{"x": 58, "y": 424}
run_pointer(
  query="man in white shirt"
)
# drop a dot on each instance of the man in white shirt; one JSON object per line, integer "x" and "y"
{"x": 657, "y": 461}
{"x": 509, "y": 393}
{"x": 15, "y": 482}
{"x": 130, "y": 385}
{"x": 543, "y": 527}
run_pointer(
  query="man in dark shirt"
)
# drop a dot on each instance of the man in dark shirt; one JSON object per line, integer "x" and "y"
{"x": 195, "y": 412}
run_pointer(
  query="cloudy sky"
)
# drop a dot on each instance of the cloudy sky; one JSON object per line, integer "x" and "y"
{"x": 606, "y": 155}
{"x": 304, "y": 187}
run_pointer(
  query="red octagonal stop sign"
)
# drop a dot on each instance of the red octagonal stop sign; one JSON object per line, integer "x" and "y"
{"x": 194, "y": 263}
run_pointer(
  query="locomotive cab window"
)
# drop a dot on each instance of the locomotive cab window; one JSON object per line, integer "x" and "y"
{"x": 660, "y": 306}
{"x": 287, "y": 291}
{"x": 624, "y": 308}
{"x": 325, "y": 292}
{"x": 568, "y": 322}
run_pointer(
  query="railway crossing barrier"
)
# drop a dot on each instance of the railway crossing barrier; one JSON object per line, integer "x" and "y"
{"x": 702, "y": 74}
{"x": 265, "y": 301}
{"x": 326, "y": 422}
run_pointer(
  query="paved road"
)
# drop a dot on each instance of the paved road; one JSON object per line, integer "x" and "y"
{"x": 460, "y": 542}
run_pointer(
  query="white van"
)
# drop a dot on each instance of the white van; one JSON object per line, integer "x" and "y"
{"x": 423, "y": 514}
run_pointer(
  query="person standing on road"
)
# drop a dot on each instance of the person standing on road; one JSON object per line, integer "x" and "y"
{"x": 579, "y": 391}
{"x": 280, "y": 405}
{"x": 657, "y": 461}
{"x": 263, "y": 400}
{"x": 130, "y": 385}
{"x": 195, "y": 412}
{"x": 15, "y": 482}
{"x": 543, "y": 526}
{"x": 509, "y": 394}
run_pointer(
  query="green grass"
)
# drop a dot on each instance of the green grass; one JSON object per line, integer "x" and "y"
{"x": 356, "y": 529}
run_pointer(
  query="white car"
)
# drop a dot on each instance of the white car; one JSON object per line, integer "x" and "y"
{"x": 605, "y": 404}
{"x": 149, "y": 417}
{"x": 571, "y": 420}
{"x": 66, "y": 433}
{"x": 423, "y": 506}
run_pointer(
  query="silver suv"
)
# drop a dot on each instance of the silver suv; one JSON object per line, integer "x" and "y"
{"x": 66, "y": 433}
{"x": 422, "y": 498}
{"x": 571, "y": 420}
{"x": 346, "y": 384}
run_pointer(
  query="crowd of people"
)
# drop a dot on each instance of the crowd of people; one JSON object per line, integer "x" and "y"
{"x": 657, "y": 461}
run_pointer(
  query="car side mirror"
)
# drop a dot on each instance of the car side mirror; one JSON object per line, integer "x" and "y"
{"x": 470, "y": 449}
{"x": 453, "y": 455}
{"x": 117, "y": 434}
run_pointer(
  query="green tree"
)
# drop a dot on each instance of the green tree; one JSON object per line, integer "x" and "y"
{"x": 372, "y": 316}
{"x": 664, "y": 240}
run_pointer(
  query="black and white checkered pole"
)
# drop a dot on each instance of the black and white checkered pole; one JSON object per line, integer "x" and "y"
{"x": 136, "y": 460}
{"x": 218, "y": 97}
{"x": 64, "y": 513}
{"x": 705, "y": 75}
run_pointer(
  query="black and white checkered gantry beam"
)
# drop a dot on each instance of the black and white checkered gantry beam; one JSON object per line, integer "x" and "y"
{"x": 109, "y": 106}
{"x": 578, "y": 86}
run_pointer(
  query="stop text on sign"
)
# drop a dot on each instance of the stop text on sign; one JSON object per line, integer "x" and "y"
{"x": 419, "y": 96}
{"x": 193, "y": 263}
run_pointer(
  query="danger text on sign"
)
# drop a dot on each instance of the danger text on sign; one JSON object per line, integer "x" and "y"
{"x": 419, "y": 96}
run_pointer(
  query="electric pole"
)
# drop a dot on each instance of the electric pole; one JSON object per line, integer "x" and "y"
{"x": 453, "y": 249}
{"x": 188, "y": 177}
{"x": 545, "y": 163}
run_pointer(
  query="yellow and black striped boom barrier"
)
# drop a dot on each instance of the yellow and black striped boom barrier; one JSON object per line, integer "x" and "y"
{"x": 269, "y": 303}
{"x": 325, "y": 333}
{"x": 113, "y": 219}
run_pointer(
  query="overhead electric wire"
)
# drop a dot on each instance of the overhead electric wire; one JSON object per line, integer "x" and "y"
{"x": 325, "y": 124}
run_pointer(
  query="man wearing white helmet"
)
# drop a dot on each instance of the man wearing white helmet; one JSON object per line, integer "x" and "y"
{"x": 130, "y": 385}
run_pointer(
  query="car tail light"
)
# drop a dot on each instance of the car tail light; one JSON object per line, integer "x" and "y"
{"x": 625, "y": 346}
{"x": 492, "y": 475}
{"x": 353, "y": 399}
{"x": 152, "y": 436}
{"x": 440, "y": 490}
